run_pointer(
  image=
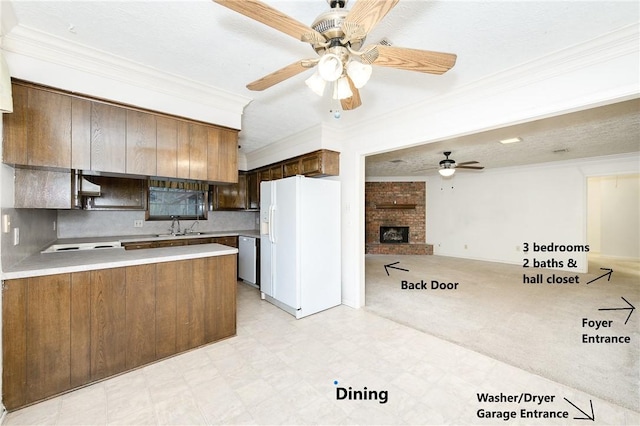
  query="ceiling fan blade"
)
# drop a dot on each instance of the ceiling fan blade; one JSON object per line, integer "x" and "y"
{"x": 281, "y": 75}
{"x": 271, "y": 17}
{"x": 354, "y": 101}
{"x": 465, "y": 163}
{"x": 412, "y": 59}
{"x": 469, "y": 167}
{"x": 368, "y": 13}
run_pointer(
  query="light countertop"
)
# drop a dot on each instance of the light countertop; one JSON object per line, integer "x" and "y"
{"x": 40, "y": 264}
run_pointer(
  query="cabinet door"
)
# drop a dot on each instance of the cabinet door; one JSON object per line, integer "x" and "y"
{"x": 291, "y": 168}
{"x": 166, "y": 308}
{"x": 42, "y": 189}
{"x": 167, "y": 147}
{"x": 80, "y": 328}
{"x": 198, "y": 142}
{"x": 190, "y": 313}
{"x": 233, "y": 196}
{"x": 220, "y": 298}
{"x": 14, "y": 343}
{"x": 140, "y": 315}
{"x": 80, "y": 134}
{"x": 276, "y": 172}
{"x": 108, "y": 326}
{"x": 108, "y": 138}
{"x": 253, "y": 191}
{"x": 49, "y": 129}
{"x": 223, "y": 155}
{"x": 48, "y": 336}
{"x": 14, "y": 144}
{"x": 141, "y": 143}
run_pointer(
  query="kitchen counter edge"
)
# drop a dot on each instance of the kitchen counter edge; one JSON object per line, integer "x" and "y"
{"x": 40, "y": 264}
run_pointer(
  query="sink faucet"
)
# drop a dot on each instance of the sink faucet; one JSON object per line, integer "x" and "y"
{"x": 174, "y": 220}
{"x": 190, "y": 229}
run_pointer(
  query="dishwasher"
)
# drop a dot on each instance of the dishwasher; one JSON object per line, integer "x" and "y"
{"x": 248, "y": 260}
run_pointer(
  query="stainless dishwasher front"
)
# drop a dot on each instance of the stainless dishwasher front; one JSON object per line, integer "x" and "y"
{"x": 247, "y": 260}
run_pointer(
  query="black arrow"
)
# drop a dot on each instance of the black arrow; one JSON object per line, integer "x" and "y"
{"x": 621, "y": 309}
{"x": 591, "y": 417}
{"x": 608, "y": 273}
{"x": 394, "y": 267}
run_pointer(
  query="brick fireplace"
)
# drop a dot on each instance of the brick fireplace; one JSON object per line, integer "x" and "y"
{"x": 395, "y": 216}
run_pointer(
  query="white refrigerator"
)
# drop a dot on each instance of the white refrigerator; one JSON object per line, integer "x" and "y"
{"x": 300, "y": 244}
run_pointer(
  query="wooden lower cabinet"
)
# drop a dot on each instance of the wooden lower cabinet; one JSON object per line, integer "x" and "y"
{"x": 63, "y": 331}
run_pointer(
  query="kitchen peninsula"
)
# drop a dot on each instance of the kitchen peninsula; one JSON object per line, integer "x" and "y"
{"x": 72, "y": 318}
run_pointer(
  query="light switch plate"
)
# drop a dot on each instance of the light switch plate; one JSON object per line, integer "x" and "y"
{"x": 16, "y": 236}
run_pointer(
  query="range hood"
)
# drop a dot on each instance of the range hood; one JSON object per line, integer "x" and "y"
{"x": 88, "y": 189}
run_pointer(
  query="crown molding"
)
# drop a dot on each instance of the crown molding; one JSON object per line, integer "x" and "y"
{"x": 600, "y": 51}
{"x": 50, "y": 49}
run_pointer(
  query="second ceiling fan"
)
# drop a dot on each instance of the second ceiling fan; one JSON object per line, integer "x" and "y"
{"x": 338, "y": 37}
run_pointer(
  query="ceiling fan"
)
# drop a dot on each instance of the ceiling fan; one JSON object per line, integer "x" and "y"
{"x": 338, "y": 36}
{"x": 448, "y": 166}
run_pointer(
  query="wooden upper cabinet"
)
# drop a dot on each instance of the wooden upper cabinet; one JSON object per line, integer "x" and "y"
{"x": 198, "y": 142}
{"x": 14, "y": 146}
{"x": 108, "y": 138}
{"x": 49, "y": 129}
{"x": 80, "y": 134}
{"x": 38, "y": 133}
{"x": 253, "y": 191}
{"x": 223, "y": 155}
{"x": 141, "y": 143}
{"x": 172, "y": 147}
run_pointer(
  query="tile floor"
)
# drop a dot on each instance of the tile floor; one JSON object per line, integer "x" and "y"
{"x": 279, "y": 370}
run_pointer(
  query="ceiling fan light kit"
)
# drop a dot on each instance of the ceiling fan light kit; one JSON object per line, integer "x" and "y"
{"x": 448, "y": 166}
{"x": 337, "y": 36}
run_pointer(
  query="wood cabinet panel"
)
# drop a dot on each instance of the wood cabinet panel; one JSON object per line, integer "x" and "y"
{"x": 191, "y": 304}
{"x": 108, "y": 326}
{"x": 80, "y": 134}
{"x": 14, "y": 343}
{"x": 253, "y": 191}
{"x": 166, "y": 147}
{"x": 183, "y": 150}
{"x": 80, "y": 329}
{"x": 14, "y": 146}
{"x": 108, "y": 138}
{"x": 42, "y": 189}
{"x": 166, "y": 308}
{"x": 141, "y": 143}
{"x": 231, "y": 196}
{"x": 140, "y": 315}
{"x": 198, "y": 143}
{"x": 48, "y": 335}
{"x": 49, "y": 129}
{"x": 275, "y": 172}
{"x": 220, "y": 300}
{"x": 291, "y": 168}
{"x": 230, "y": 241}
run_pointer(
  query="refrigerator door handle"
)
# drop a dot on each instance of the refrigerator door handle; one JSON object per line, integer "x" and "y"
{"x": 272, "y": 227}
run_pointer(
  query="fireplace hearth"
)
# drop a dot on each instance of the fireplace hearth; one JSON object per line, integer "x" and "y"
{"x": 394, "y": 234}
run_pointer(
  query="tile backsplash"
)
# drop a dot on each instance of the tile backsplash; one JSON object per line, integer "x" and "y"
{"x": 36, "y": 232}
{"x": 83, "y": 223}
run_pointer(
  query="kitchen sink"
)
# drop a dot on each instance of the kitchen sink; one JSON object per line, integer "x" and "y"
{"x": 182, "y": 234}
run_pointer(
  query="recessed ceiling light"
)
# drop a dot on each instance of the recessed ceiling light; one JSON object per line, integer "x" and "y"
{"x": 511, "y": 140}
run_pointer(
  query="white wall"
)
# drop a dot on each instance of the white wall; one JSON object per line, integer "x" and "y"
{"x": 495, "y": 212}
{"x": 614, "y": 215}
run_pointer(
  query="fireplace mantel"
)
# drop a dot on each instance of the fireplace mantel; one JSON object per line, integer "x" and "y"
{"x": 395, "y": 206}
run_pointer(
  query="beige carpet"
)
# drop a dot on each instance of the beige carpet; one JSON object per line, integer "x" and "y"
{"x": 534, "y": 327}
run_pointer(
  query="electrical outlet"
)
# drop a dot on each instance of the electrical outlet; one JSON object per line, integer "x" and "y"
{"x": 6, "y": 223}
{"x": 16, "y": 236}
{"x": 138, "y": 223}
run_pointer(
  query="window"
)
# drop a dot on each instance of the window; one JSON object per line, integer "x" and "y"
{"x": 188, "y": 200}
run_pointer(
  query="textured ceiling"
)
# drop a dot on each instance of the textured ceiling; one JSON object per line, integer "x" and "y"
{"x": 205, "y": 42}
{"x": 607, "y": 130}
